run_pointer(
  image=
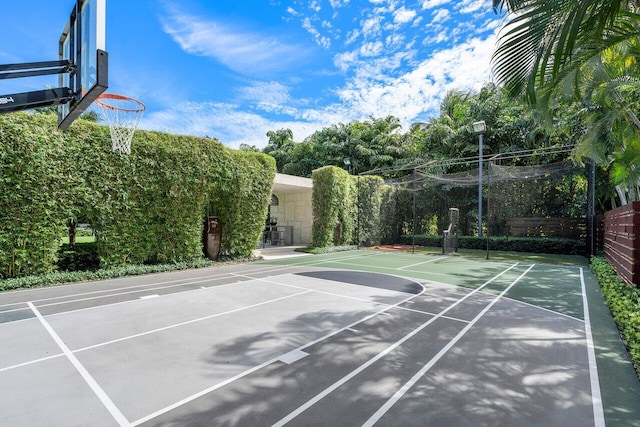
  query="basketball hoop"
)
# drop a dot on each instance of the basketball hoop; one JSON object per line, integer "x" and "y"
{"x": 123, "y": 115}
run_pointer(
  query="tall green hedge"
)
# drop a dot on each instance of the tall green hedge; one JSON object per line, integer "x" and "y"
{"x": 333, "y": 200}
{"x": 146, "y": 207}
{"x": 370, "y": 193}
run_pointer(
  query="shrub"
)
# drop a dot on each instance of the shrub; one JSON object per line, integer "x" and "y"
{"x": 326, "y": 250}
{"x": 547, "y": 245}
{"x": 623, "y": 301}
{"x": 145, "y": 207}
{"x": 83, "y": 258}
{"x": 333, "y": 203}
{"x": 370, "y": 191}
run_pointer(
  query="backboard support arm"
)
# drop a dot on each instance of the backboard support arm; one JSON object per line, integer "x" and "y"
{"x": 35, "y": 99}
{"x": 32, "y": 69}
{"x": 38, "y": 98}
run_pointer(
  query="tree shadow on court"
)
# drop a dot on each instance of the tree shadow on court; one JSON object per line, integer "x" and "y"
{"x": 513, "y": 368}
{"x": 517, "y": 366}
{"x": 273, "y": 391}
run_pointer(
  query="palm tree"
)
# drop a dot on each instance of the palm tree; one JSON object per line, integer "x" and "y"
{"x": 587, "y": 49}
{"x": 547, "y": 41}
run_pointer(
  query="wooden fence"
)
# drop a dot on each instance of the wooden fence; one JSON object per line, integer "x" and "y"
{"x": 622, "y": 241}
{"x": 571, "y": 228}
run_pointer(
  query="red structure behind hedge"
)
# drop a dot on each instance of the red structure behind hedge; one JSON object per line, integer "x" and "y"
{"x": 622, "y": 241}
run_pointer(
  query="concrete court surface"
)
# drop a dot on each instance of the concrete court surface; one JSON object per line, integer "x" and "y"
{"x": 259, "y": 344}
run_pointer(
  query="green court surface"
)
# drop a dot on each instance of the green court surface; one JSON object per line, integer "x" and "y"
{"x": 559, "y": 289}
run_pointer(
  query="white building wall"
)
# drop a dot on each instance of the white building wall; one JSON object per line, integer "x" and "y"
{"x": 295, "y": 209}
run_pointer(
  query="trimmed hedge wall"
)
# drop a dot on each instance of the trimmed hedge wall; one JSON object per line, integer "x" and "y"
{"x": 145, "y": 207}
{"x": 550, "y": 245}
{"x": 333, "y": 202}
{"x": 370, "y": 192}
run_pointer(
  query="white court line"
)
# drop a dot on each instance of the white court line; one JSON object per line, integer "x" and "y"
{"x": 265, "y": 364}
{"x": 394, "y": 306}
{"x": 116, "y": 294}
{"x": 187, "y": 322}
{"x": 31, "y": 362}
{"x": 420, "y": 263}
{"x": 100, "y": 393}
{"x": 557, "y": 313}
{"x": 407, "y": 386}
{"x": 596, "y": 397}
{"x": 392, "y": 268}
{"x": 72, "y": 284}
{"x": 335, "y": 256}
{"x": 380, "y": 355}
{"x": 109, "y": 292}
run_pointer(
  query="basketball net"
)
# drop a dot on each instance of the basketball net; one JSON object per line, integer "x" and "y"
{"x": 123, "y": 115}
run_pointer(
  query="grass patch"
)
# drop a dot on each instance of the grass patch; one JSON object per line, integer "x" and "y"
{"x": 326, "y": 250}
{"x": 79, "y": 239}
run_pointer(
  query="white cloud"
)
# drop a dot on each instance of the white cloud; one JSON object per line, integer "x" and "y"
{"x": 371, "y": 26}
{"x": 265, "y": 92}
{"x": 419, "y": 91}
{"x": 315, "y": 6}
{"x": 470, "y": 6}
{"x": 371, "y": 49}
{"x": 230, "y": 124}
{"x": 336, "y": 4}
{"x": 246, "y": 52}
{"x": 386, "y": 71}
{"x": 430, "y": 4}
{"x": 402, "y": 15}
{"x": 319, "y": 38}
{"x": 441, "y": 16}
{"x": 394, "y": 41}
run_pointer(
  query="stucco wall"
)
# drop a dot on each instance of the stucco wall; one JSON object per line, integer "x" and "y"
{"x": 295, "y": 209}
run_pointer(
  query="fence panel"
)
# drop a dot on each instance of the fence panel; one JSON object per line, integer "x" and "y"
{"x": 622, "y": 241}
{"x": 571, "y": 228}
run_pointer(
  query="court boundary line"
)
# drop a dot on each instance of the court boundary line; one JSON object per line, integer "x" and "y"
{"x": 435, "y": 359}
{"x": 424, "y": 292}
{"x": 134, "y": 299}
{"x": 418, "y": 263}
{"x": 380, "y": 355}
{"x": 327, "y": 259}
{"x": 596, "y": 396}
{"x": 399, "y": 269}
{"x": 151, "y": 331}
{"x": 187, "y": 322}
{"x": 88, "y": 378}
{"x": 266, "y": 363}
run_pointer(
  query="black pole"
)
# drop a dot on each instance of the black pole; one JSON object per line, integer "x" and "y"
{"x": 488, "y": 206}
{"x": 591, "y": 208}
{"x": 358, "y": 211}
{"x": 413, "y": 235}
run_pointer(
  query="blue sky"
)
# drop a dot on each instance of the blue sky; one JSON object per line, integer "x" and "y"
{"x": 234, "y": 70}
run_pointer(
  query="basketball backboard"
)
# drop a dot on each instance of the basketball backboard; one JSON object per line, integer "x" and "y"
{"x": 83, "y": 43}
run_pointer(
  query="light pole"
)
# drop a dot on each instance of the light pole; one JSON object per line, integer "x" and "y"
{"x": 479, "y": 128}
{"x": 347, "y": 163}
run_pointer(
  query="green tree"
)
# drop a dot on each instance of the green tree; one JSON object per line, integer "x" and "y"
{"x": 580, "y": 51}
{"x": 280, "y": 146}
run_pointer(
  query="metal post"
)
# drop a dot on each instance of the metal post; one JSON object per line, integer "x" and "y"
{"x": 488, "y": 204}
{"x": 480, "y": 188}
{"x": 413, "y": 238}
{"x": 591, "y": 209}
{"x": 358, "y": 210}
